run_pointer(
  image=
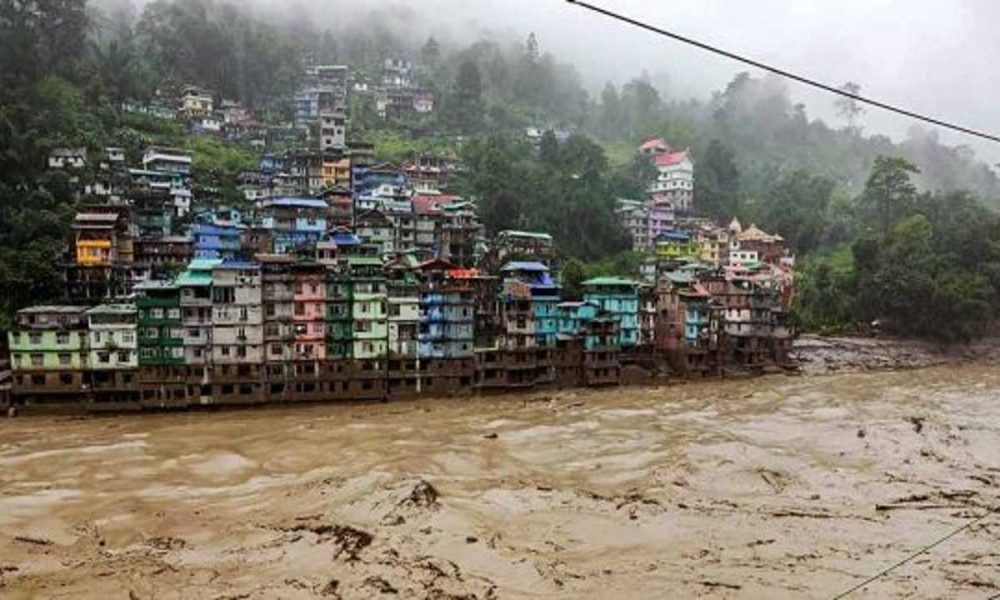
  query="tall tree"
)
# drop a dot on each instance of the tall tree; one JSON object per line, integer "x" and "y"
{"x": 849, "y": 108}
{"x": 889, "y": 190}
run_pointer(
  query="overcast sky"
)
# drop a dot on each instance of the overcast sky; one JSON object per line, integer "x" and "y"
{"x": 939, "y": 58}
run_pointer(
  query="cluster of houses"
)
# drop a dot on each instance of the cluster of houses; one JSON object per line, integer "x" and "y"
{"x": 343, "y": 278}
{"x": 352, "y": 324}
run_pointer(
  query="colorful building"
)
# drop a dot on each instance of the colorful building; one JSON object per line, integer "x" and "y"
{"x": 49, "y": 354}
{"x": 619, "y": 298}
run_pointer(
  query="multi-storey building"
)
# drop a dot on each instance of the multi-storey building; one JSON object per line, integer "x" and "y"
{"x": 113, "y": 355}
{"x": 294, "y": 224}
{"x": 197, "y": 102}
{"x": 49, "y": 355}
{"x": 195, "y": 285}
{"x": 619, "y": 298}
{"x": 674, "y": 183}
{"x": 309, "y": 314}
{"x": 237, "y": 333}
{"x": 278, "y": 296}
{"x": 162, "y": 372}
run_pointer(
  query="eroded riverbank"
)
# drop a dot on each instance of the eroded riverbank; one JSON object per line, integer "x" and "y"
{"x": 775, "y": 487}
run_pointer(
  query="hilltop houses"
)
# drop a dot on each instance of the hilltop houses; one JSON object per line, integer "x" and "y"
{"x": 334, "y": 276}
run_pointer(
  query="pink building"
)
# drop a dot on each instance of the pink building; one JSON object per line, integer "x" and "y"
{"x": 660, "y": 219}
{"x": 309, "y": 313}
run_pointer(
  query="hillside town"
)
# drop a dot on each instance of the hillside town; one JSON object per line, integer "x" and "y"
{"x": 339, "y": 277}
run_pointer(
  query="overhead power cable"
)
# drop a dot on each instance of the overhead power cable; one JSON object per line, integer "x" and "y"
{"x": 926, "y": 548}
{"x": 782, "y": 72}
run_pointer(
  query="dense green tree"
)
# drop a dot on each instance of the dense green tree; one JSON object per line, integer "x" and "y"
{"x": 717, "y": 179}
{"x": 889, "y": 192}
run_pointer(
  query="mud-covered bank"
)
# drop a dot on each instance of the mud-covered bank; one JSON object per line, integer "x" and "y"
{"x": 775, "y": 487}
{"x": 814, "y": 354}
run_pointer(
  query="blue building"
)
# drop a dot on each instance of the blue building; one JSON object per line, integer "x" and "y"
{"x": 619, "y": 298}
{"x": 294, "y": 223}
{"x": 545, "y": 297}
{"x": 217, "y": 240}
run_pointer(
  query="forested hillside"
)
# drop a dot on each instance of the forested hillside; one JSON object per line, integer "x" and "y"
{"x": 67, "y": 67}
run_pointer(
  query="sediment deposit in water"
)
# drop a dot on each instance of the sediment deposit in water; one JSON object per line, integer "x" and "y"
{"x": 778, "y": 487}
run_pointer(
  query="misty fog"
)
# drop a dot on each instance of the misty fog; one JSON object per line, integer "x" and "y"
{"x": 935, "y": 58}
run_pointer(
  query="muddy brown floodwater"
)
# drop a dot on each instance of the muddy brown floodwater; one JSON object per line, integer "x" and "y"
{"x": 778, "y": 487}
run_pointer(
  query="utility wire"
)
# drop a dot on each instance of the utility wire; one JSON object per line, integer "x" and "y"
{"x": 888, "y": 570}
{"x": 782, "y": 72}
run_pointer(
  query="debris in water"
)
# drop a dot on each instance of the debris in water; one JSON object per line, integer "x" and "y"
{"x": 38, "y": 541}
{"x": 381, "y": 585}
{"x": 423, "y": 495}
{"x": 330, "y": 589}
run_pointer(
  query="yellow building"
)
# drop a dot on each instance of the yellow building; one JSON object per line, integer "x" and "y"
{"x": 337, "y": 172}
{"x": 197, "y": 102}
{"x": 676, "y": 244}
{"x": 96, "y": 238}
{"x": 90, "y": 253}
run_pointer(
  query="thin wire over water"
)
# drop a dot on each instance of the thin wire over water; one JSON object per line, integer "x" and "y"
{"x": 888, "y": 570}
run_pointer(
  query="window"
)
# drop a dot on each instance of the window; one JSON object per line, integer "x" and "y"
{"x": 66, "y": 378}
{"x": 174, "y": 313}
{"x": 64, "y": 358}
{"x": 224, "y": 350}
{"x": 35, "y": 338}
{"x": 123, "y": 356}
{"x": 62, "y": 337}
{"x": 102, "y": 357}
{"x": 37, "y": 360}
{"x": 275, "y": 350}
{"x": 156, "y": 313}
{"x": 97, "y": 337}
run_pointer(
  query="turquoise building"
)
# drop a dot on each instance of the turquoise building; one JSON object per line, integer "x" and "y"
{"x": 619, "y": 298}
{"x": 545, "y": 297}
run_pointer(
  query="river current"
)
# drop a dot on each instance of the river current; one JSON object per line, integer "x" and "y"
{"x": 777, "y": 487}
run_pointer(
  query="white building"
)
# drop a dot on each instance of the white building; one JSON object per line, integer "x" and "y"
{"x": 112, "y": 337}
{"x": 674, "y": 184}
{"x": 63, "y": 158}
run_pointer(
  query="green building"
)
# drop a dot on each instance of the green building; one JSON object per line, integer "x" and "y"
{"x": 161, "y": 340}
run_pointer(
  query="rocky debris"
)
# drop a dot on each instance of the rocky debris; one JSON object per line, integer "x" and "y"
{"x": 330, "y": 589}
{"x": 166, "y": 543}
{"x": 721, "y": 584}
{"x": 380, "y": 585}
{"x": 37, "y": 541}
{"x": 422, "y": 495}
{"x": 350, "y": 541}
{"x": 491, "y": 436}
{"x": 935, "y": 500}
{"x": 918, "y": 423}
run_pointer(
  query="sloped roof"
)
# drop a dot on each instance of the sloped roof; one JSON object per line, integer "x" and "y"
{"x": 670, "y": 158}
{"x": 653, "y": 144}
{"x": 755, "y": 234}
{"x": 609, "y": 281}
{"x": 295, "y": 202}
{"x": 524, "y": 266}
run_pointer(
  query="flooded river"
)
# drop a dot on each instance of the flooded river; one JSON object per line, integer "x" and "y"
{"x": 778, "y": 487}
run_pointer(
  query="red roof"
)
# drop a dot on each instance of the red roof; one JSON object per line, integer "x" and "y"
{"x": 653, "y": 144}
{"x": 670, "y": 158}
{"x": 426, "y": 204}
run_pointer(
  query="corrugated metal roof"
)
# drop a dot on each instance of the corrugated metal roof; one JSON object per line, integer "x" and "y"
{"x": 524, "y": 266}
